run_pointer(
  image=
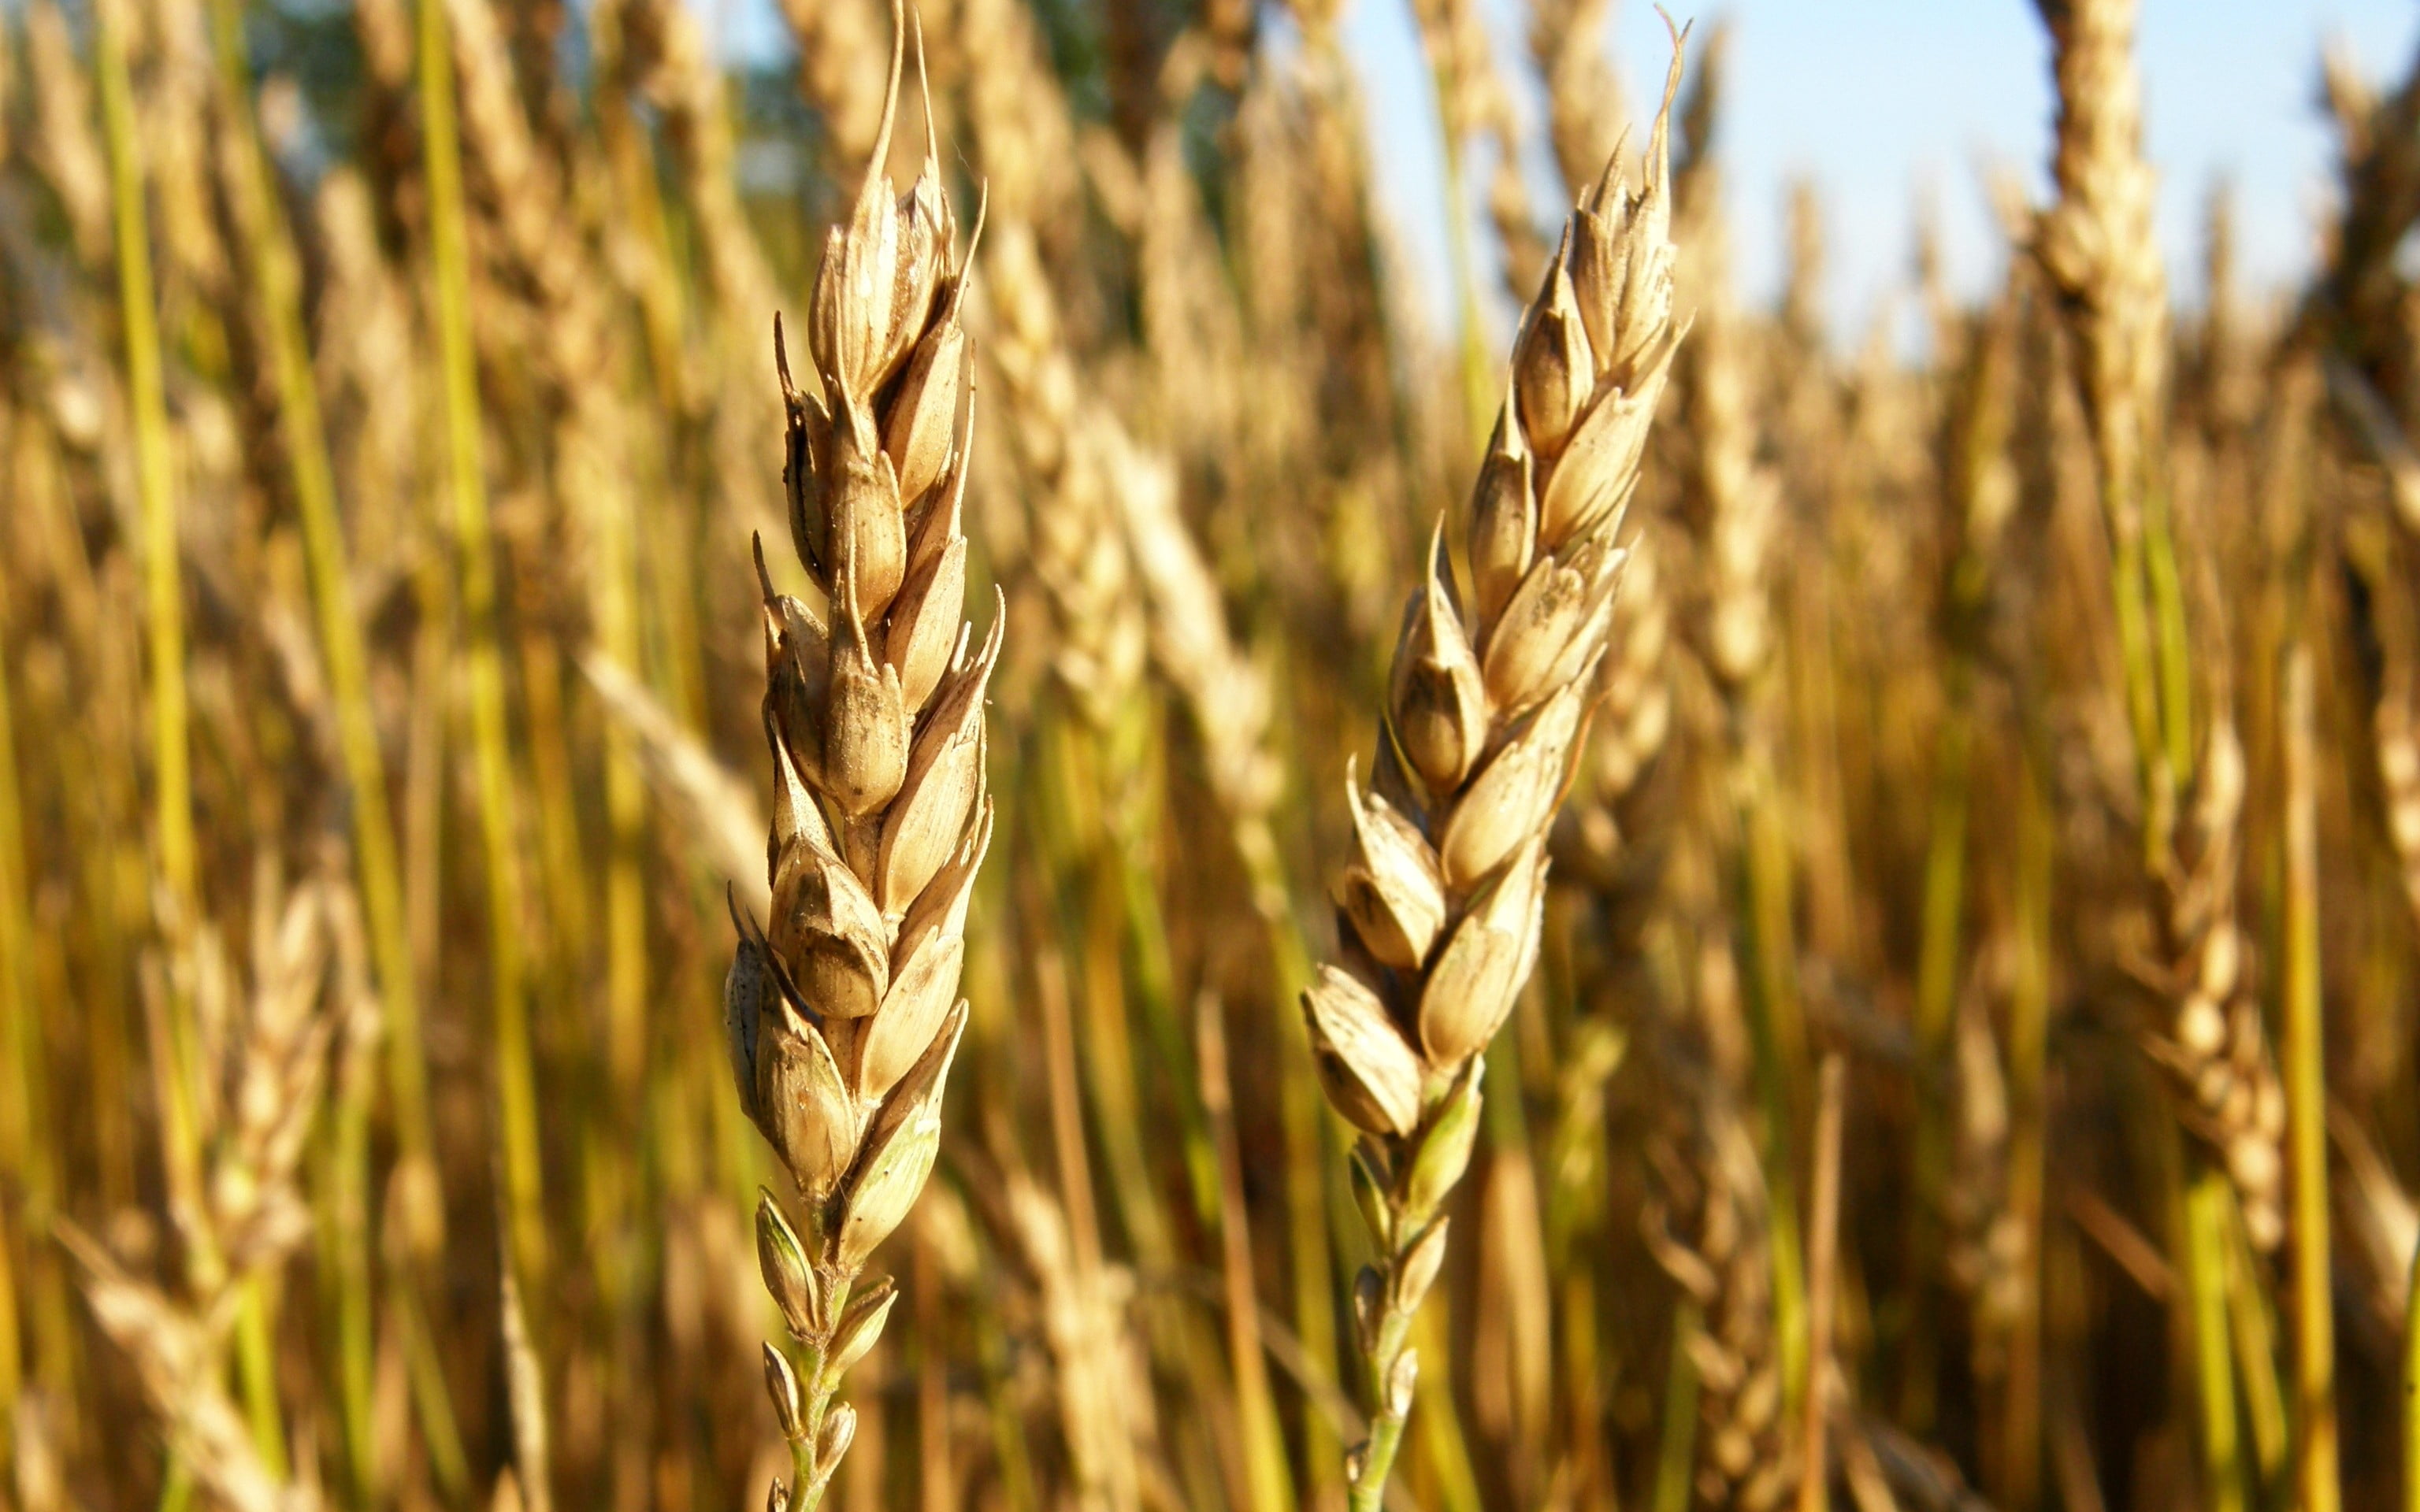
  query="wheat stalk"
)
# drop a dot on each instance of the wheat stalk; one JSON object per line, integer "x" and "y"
{"x": 843, "y": 1013}
{"x": 1440, "y": 906}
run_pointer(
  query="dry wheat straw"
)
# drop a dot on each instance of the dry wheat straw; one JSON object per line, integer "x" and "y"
{"x": 2411, "y": 1388}
{"x": 63, "y": 148}
{"x": 844, "y": 1014}
{"x": 1078, "y": 552}
{"x": 1440, "y": 908}
{"x": 1730, "y": 506}
{"x": 1100, "y": 1376}
{"x": 2358, "y": 303}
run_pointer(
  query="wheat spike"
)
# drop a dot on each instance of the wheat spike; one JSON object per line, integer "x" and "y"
{"x": 842, "y": 1013}
{"x": 1473, "y": 100}
{"x": 1584, "y": 113}
{"x": 838, "y": 42}
{"x": 1440, "y": 906}
{"x": 2097, "y": 248}
{"x": 263, "y": 1044}
{"x": 1080, "y": 559}
{"x": 1707, "y": 1224}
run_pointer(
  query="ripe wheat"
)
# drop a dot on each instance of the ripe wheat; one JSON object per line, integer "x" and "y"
{"x": 1440, "y": 909}
{"x": 843, "y": 1013}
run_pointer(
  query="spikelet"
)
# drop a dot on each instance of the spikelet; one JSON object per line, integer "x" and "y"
{"x": 1439, "y": 906}
{"x": 842, "y": 1012}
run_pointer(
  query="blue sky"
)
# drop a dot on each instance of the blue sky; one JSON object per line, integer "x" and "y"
{"x": 1880, "y": 99}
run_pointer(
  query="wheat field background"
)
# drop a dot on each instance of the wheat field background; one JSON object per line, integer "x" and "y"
{"x": 1113, "y": 869}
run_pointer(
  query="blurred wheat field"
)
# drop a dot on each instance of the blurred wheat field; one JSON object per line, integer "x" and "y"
{"x": 1941, "y": 915}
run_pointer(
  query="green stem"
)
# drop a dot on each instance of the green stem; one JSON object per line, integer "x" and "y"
{"x": 2021, "y": 1418}
{"x": 1769, "y": 969}
{"x": 1301, "y": 1128}
{"x": 1441, "y": 1438}
{"x": 2209, "y": 1202}
{"x": 256, "y": 1343}
{"x": 1936, "y": 994}
{"x": 808, "y": 1483}
{"x": 517, "y": 1096}
{"x": 277, "y": 294}
{"x": 1676, "y": 1454}
{"x": 1369, "y": 1485}
{"x": 154, "y": 479}
{"x": 1270, "y": 1485}
{"x": 2175, "y": 666}
{"x": 344, "y": 1178}
{"x": 24, "y": 1166}
{"x": 2411, "y": 1390}
{"x": 2307, "y": 1135}
{"x": 2255, "y": 1333}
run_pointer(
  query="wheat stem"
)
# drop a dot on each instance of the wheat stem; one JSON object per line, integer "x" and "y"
{"x": 1264, "y": 1437}
{"x": 450, "y": 256}
{"x": 24, "y": 1164}
{"x": 1676, "y": 1454}
{"x": 155, "y": 484}
{"x": 2208, "y": 1210}
{"x": 2411, "y": 1390}
{"x": 2020, "y": 1423}
{"x": 2306, "y": 1071}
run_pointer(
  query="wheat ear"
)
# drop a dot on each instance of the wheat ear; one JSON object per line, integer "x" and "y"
{"x": 2097, "y": 247}
{"x": 1440, "y": 904}
{"x": 842, "y": 1013}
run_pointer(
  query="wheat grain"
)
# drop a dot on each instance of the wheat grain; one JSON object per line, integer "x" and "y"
{"x": 842, "y": 1014}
